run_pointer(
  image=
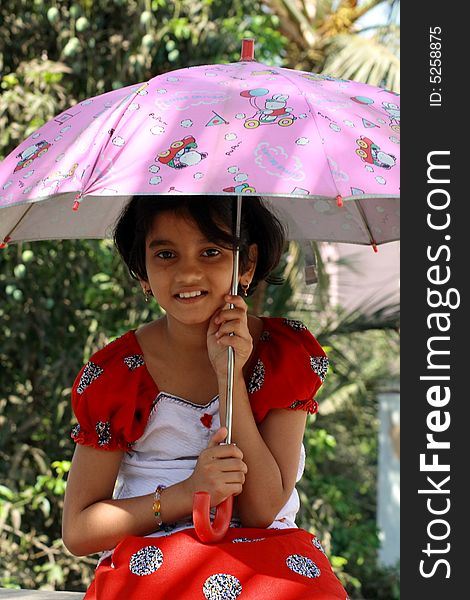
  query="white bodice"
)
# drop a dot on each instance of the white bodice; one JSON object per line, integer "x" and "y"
{"x": 176, "y": 433}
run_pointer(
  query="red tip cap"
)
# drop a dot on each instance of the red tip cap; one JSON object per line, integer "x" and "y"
{"x": 5, "y": 242}
{"x": 374, "y": 248}
{"x": 248, "y": 49}
{"x": 76, "y": 204}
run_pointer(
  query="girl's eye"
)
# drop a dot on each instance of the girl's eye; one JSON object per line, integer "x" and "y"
{"x": 165, "y": 254}
{"x": 211, "y": 252}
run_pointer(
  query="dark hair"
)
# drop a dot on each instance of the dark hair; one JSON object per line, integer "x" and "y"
{"x": 214, "y": 215}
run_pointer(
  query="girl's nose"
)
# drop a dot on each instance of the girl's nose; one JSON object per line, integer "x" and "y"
{"x": 189, "y": 270}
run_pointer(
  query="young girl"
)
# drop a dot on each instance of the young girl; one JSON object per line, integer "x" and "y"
{"x": 149, "y": 407}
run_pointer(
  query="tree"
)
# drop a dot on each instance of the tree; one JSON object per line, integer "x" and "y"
{"x": 61, "y": 297}
{"x": 326, "y": 37}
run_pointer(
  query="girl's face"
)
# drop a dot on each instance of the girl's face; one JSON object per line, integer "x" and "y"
{"x": 188, "y": 275}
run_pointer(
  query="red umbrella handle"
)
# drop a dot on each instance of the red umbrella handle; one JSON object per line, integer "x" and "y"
{"x": 210, "y": 533}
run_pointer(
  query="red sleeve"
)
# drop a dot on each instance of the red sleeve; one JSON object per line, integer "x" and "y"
{"x": 112, "y": 396}
{"x": 290, "y": 367}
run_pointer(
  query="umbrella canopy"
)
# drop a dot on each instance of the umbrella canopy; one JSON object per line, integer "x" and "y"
{"x": 322, "y": 151}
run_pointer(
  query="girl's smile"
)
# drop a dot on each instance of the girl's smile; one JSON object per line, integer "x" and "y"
{"x": 191, "y": 297}
{"x": 185, "y": 268}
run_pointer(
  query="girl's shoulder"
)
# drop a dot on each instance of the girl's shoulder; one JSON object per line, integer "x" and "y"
{"x": 288, "y": 367}
{"x": 286, "y": 340}
{"x": 112, "y": 396}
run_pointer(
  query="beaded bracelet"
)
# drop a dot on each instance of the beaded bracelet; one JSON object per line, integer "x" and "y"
{"x": 156, "y": 507}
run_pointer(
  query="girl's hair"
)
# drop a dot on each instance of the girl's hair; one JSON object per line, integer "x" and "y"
{"x": 214, "y": 216}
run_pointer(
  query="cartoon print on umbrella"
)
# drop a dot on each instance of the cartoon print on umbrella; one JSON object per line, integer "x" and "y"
{"x": 241, "y": 185}
{"x": 394, "y": 111}
{"x": 275, "y": 109}
{"x": 372, "y": 154}
{"x": 54, "y": 180}
{"x": 31, "y": 153}
{"x": 243, "y": 188}
{"x": 216, "y": 120}
{"x": 182, "y": 153}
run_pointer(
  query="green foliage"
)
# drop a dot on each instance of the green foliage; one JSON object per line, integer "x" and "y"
{"x": 28, "y": 516}
{"x": 60, "y": 301}
{"x": 339, "y": 486}
{"x": 30, "y": 97}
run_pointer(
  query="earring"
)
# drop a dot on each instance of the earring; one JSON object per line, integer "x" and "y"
{"x": 147, "y": 294}
{"x": 245, "y": 287}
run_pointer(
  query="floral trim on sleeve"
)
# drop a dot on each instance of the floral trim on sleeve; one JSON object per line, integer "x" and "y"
{"x": 134, "y": 362}
{"x": 257, "y": 377}
{"x": 310, "y": 406}
{"x": 89, "y": 374}
{"x": 319, "y": 366}
{"x": 290, "y": 366}
{"x": 296, "y": 325}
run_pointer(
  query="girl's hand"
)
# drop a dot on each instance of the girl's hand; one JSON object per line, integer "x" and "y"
{"x": 219, "y": 470}
{"x": 223, "y": 322}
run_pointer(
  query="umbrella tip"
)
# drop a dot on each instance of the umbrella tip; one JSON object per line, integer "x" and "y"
{"x": 339, "y": 201}
{"x": 248, "y": 49}
{"x": 76, "y": 203}
{"x": 5, "y": 241}
{"x": 375, "y": 248}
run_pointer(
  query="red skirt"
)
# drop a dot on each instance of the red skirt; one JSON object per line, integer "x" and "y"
{"x": 276, "y": 564}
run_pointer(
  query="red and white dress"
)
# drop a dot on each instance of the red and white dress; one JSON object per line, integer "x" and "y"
{"x": 118, "y": 406}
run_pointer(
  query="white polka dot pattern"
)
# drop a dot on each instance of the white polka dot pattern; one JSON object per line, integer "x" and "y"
{"x": 316, "y": 542}
{"x": 146, "y": 561}
{"x": 222, "y": 586}
{"x": 302, "y": 565}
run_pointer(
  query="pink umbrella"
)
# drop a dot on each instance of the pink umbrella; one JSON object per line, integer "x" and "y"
{"x": 323, "y": 152}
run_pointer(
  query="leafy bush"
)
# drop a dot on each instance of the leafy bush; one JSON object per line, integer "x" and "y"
{"x": 62, "y": 300}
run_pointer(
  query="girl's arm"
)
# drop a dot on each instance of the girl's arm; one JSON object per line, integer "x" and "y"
{"x": 93, "y": 521}
{"x": 272, "y": 450}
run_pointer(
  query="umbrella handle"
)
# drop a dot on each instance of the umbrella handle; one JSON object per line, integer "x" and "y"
{"x": 210, "y": 533}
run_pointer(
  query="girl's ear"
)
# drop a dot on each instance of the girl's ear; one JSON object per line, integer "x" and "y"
{"x": 144, "y": 285}
{"x": 252, "y": 258}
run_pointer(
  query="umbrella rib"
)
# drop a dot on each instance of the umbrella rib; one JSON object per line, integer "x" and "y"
{"x": 123, "y": 101}
{"x": 359, "y": 207}
{"x": 312, "y": 112}
{"x": 366, "y": 223}
{"x": 9, "y": 234}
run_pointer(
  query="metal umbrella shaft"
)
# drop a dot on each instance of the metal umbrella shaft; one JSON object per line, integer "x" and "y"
{"x": 208, "y": 532}
{"x": 231, "y": 352}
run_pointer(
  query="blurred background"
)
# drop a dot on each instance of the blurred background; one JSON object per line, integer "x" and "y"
{"x": 61, "y": 301}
